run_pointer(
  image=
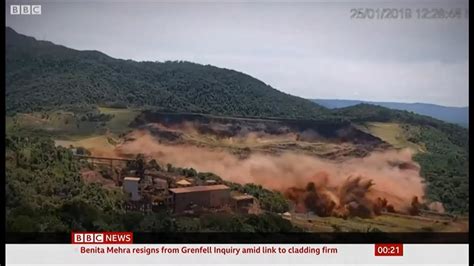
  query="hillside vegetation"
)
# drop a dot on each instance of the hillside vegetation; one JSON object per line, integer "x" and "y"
{"x": 41, "y": 75}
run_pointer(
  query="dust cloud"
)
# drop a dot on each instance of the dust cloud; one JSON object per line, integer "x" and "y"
{"x": 379, "y": 180}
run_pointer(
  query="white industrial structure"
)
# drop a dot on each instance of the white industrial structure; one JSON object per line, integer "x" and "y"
{"x": 130, "y": 186}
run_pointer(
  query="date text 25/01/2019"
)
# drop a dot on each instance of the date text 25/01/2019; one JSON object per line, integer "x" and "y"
{"x": 409, "y": 13}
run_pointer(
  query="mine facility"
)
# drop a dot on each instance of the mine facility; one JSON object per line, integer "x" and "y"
{"x": 145, "y": 195}
{"x": 242, "y": 203}
{"x": 130, "y": 186}
{"x": 187, "y": 198}
{"x": 157, "y": 190}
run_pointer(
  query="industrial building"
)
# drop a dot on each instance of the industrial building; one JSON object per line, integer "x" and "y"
{"x": 160, "y": 184}
{"x": 214, "y": 196}
{"x": 130, "y": 186}
{"x": 242, "y": 203}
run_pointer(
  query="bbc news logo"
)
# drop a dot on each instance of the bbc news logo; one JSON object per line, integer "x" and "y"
{"x": 102, "y": 238}
{"x": 25, "y": 9}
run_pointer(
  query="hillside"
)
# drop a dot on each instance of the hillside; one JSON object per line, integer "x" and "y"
{"x": 56, "y": 91}
{"x": 444, "y": 158}
{"x": 41, "y": 75}
{"x": 456, "y": 115}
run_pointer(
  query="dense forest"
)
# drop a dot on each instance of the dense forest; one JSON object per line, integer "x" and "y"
{"x": 44, "y": 193}
{"x": 41, "y": 75}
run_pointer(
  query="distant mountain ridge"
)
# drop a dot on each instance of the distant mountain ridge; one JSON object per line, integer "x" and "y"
{"x": 456, "y": 115}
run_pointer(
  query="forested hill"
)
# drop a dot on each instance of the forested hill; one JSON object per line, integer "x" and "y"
{"x": 42, "y": 75}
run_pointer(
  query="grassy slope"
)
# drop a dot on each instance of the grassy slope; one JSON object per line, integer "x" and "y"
{"x": 120, "y": 120}
{"x": 55, "y": 123}
{"x": 61, "y": 123}
{"x": 68, "y": 129}
{"x": 395, "y": 134}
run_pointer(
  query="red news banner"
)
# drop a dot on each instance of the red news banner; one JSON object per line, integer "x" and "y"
{"x": 88, "y": 238}
{"x": 102, "y": 238}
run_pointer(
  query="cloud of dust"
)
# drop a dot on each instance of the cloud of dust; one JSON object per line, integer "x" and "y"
{"x": 436, "y": 206}
{"x": 378, "y": 178}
